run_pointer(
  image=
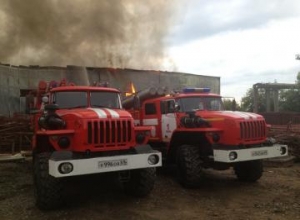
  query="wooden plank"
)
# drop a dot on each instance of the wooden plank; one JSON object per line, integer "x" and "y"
{"x": 10, "y": 157}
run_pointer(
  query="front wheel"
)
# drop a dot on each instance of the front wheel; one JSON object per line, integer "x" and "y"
{"x": 189, "y": 166}
{"x": 249, "y": 171}
{"x": 47, "y": 188}
{"x": 141, "y": 182}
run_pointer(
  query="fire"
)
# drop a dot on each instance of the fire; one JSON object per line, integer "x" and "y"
{"x": 132, "y": 90}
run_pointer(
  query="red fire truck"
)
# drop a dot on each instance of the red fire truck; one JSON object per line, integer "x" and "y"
{"x": 82, "y": 130}
{"x": 193, "y": 131}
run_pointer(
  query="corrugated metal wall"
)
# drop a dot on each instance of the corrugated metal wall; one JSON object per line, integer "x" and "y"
{"x": 14, "y": 78}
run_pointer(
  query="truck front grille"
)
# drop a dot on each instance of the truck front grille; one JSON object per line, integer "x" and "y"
{"x": 109, "y": 133}
{"x": 252, "y": 130}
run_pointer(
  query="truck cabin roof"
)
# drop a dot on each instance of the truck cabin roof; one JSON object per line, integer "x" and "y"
{"x": 84, "y": 88}
{"x": 184, "y": 95}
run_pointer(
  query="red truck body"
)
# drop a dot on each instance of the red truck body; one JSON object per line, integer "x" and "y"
{"x": 81, "y": 130}
{"x": 195, "y": 122}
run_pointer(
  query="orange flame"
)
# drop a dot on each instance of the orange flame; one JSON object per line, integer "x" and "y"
{"x": 132, "y": 90}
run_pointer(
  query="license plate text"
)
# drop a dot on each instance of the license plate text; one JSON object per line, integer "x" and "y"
{"x": 259, "y": 153}
{"x": 112, "y": 163}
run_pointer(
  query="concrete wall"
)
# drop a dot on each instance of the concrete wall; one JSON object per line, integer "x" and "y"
{"x": 15, "y": 78}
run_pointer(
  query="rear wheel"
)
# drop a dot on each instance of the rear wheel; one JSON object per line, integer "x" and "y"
{"x": 189, "y": 166}
{"x": 47, "y": 188}
{"x": 141, "y": 182}
{"x": 249, "y": 171}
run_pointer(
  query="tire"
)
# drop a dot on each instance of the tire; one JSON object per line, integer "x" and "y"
{"x": 189, "y": 166}
{"x": 47, "y": 188}
{"x": 141, "y": 182}
{"x": 249, "y": 171}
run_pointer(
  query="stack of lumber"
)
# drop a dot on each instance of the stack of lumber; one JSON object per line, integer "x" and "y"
{"x": 289, "y": 135}
{"x": 15, "y": 134}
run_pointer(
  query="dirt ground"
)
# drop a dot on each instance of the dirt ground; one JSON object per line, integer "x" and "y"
{"x": 275, "y": 196}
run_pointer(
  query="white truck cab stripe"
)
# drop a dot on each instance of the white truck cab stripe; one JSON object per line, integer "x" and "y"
{"x": 153, "y": 121}
{"x": 99, "y": 112}
{"x": 113, "y": 113}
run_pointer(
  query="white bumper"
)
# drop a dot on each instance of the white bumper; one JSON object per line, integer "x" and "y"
{"x": 277, "y": 150}
{"x": 104, "y": 164}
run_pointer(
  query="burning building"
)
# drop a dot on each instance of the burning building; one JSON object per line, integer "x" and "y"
{"x": 16, "y": 81}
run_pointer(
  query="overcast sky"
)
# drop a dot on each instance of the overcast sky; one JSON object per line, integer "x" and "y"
{"x": 242, "y": 41}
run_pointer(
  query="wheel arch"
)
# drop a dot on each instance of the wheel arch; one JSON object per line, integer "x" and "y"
{"x": 42, "y": 144}
{"x": 180, "y": 138}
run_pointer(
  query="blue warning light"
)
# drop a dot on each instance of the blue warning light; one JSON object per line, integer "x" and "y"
{"x": 196, "y": 90}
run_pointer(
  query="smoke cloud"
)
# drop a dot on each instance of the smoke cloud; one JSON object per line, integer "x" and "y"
{"x": 102, "y": 33}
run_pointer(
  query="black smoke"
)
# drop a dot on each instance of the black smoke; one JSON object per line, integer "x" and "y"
{"x": 114, "y": 33}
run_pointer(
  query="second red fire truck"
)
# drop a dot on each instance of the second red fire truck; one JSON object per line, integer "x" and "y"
{"x": 193, "y": 131}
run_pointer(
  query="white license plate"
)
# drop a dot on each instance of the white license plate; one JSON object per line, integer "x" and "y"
{"x": 112, "y": 163}
{"x": 259, "y": 153}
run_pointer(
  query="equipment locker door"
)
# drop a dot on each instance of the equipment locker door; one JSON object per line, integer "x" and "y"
{"x": 168, "y": 119}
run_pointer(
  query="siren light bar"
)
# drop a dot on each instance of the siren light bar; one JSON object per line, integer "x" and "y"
{"x": 196, "y": 90}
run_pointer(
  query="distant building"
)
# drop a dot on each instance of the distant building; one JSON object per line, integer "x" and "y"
{"x": 14, "y": 80}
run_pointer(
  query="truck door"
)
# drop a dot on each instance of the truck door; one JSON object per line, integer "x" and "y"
{"x": 150, "y": 118}
{"x": 168, "y": 119}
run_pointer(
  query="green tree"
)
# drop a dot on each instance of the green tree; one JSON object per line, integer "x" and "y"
{"x": 231, "y": 104}
{"x": 289, "y": 100}
{"x": 247, "y": 102}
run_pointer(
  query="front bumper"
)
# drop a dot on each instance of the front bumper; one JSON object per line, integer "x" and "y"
{"x": 104, "y": 164}
{"x": 239, "y": 155}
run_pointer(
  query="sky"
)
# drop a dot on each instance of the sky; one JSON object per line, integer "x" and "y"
{"x": 242, "y": 41}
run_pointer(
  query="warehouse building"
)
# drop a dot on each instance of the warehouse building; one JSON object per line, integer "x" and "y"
{"x": 15, "y": 81}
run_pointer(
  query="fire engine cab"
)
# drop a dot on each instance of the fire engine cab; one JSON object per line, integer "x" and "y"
{"x": 193, "y": 131}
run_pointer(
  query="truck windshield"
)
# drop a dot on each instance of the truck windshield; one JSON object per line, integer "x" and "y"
{"x": 105, "y": 99}
{"x": 200, "y": 103}
{"x": 70, "y": 99}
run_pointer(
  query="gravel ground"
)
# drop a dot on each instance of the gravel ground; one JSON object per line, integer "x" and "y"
{"x": 275, "y": 196}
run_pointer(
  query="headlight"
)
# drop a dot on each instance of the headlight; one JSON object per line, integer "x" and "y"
{"x": 283, "y": 150}
{"x": 153, "y": 159}
{"x": 64, "y": 142}
{"x": 233, "y": 155}
{"x": 65, "y": 168}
